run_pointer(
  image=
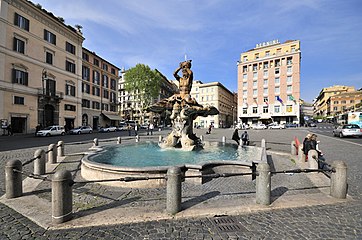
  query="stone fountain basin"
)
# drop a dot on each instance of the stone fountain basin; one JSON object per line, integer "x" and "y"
{"x": 91, "y": 170}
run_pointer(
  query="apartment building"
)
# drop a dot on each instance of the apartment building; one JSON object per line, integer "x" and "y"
{"x": 344, "y": 102}
{"x": 269, "y": 83}
{"x": 321, "y": 104}
{"x": 99, "y": 91}
{"x": 40, "y": 68}
{"x": 217, "y": 95}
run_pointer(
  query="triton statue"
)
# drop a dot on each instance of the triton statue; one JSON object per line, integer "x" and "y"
{"x": 184, "y": 110}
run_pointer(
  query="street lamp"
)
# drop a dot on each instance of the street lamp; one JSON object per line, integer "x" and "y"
{"x": 44, "y": 75}
{"x": 232, "y": 109}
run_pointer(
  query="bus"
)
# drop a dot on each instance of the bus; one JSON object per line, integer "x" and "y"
{"x": 350, "y": 118}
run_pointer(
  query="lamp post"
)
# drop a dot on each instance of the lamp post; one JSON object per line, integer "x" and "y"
{"x": 44, "y": 75}
{"x": 232, "y": 109}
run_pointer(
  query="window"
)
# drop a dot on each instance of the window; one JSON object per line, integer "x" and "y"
{"x": 245, "y": 92}
{"x": 85, "y": 103}
{"x": 335, "y": 108}
{"x": 105, "y": 67}
{"x": 96, "y": 105}
{"x": 266, "y": 65}
{"x": 277, "y": 80}
{"x": 85, "y": 56}
{"x": 49, "y": 58}
{"x": 255, "y": 67}
{"x": 265, "y": 109}
{"x": 245, "y": 110}
{"x": 113, "y": 98}
{"x": 245, "y": 68}
{"x": 19, "y": 45}
{"x": 255, "y": 109}
{"x": 292, "y": 48}
{"x": 18, "y": 100}
{"x": 289, "y": 108}
{"x": 255, "y": 83}
{"x": 85, "y": 73}
{"x": 21, "y": 22}
{"x": 279, "y": 50}
{"x": 68, "y": 107}
{"x": 335, "y": 102}
{"x": 255, "y": 92}
{"x": 289, "y": 79}
{"x": 277, "y": 71}
{"x": 69, "y": 90}
{"x": 113, "y": 71}
{"x": 69, "y": 47}
{"x": 289, "y": 88}
{"x": 277, "y": 63}
{"x": 113, "y": 108}
{"x": 50, "y": 37}
{"x": 267, "y": 53}
{"x": 277, "y": 90}
{"x": 96, "y": 62}
{"x": 265, "y": 83}
{"x": 105, "y": 93}
{"x": 20, "y": 77}
{"x": 289, "y": 61}
{"x": 96, "y": 91}
{"x": 289, "y": 69}
{"x": 113, "y": 84}
{"x": 104, "y": 106}
{"x": 265, "y": 99}
{"x": 343, "y": 102}
{"x": 245, "y": 58}
{"x": 96, "y": 77}
{"x": 256, "y": 55}
{"x": 265, "y": 74}
{"x": 245, "y": 76}
{"x": 351, "y": 101}
{"x": 86, "y": 88}
{"x": 69, "y": 66}
{"x": 245, "y": 84}
{"x": 265, "y": 91}
{"x": 105, "y": 81}
{"x": 255, "y": 75}
{"x": 277, "y": 109}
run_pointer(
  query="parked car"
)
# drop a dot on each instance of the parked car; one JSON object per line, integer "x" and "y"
{"x": 108, "y": 129}
{"x": 122, "y": 127}
{"x": 275, "y": 126}
{"x": 312, "y": 124}
{"x": 291, "y": 125}
{"x": 144, "y": 126}
{"x": 348, "y": 130}
{"x": 82, "y": 129}
{"x": 51, "y": 131}
{"x": 258, "y": 126}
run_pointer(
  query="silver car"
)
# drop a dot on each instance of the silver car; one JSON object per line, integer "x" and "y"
{"x": 82, "y": 129}
{"x": 51, "y": 131}
{"x": 348, "y": 130}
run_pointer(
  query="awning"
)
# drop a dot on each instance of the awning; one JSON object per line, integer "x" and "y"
{"x": 112, "y": 117}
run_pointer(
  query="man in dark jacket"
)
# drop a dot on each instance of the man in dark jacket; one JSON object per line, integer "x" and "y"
{"x": 245, "y": 138}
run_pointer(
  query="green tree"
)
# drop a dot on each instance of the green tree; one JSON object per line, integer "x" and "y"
{"x": 143, "y": 84}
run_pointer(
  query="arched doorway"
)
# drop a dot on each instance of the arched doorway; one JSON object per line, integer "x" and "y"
{"x": 49, "y": 115}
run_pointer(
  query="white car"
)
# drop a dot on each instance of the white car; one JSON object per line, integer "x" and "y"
{"x": 51, "y": 131}
{"x": 259, "y": 126}
{"x": 275, "y": 126}
{"x": 82, "y": 129}
{"x": 108, "y": 129}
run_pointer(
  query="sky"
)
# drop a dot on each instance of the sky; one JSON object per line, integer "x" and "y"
{"x": 213, "y": 33}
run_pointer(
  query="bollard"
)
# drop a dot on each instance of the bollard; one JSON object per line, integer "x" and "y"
{"x": 223, "y": 139}
{"x": 313, "y": 159}
{"x": 339, "y": 180}
{"x": 301, "y": 155}
{"x": 52, "y": 154}
{"x": 159, "y": 138}
{"x": 119, "y": 140}
{"x": 201, "y": 137}
{"x": 95, "y": 142}
{"x": 173, "y": 204}
{"x": 62, "y": 199}
{"x": 263, "y": 143}
{"x": 293, "y": 149}
{"x": 137, "y": 138}
{"x": 263, "y": 187}
{"x": 13, "y": 180}
{"x": 60, "y": 147}
{"x": 39, "y": 162}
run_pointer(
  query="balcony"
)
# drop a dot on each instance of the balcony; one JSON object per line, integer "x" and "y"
{"x": 50, "y": 95}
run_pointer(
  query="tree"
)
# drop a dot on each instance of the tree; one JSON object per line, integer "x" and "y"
{"x": 143, "y": 84}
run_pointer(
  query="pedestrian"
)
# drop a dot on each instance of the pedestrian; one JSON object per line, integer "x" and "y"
{"x": 129, "y": 128}
{"x": 236, "y": 136}
{"x": 151, "y": 127}
{"x": 37, "y": 129}
{"x": 136, "y": 129}
{"x": 10, "y": 130}
{"x": 308, "y": 144}
{"x": 209, "y": 130}
{"x": 245, "y": 138}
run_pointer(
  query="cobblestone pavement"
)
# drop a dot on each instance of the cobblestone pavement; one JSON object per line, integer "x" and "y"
{"x": 339, "y": 221}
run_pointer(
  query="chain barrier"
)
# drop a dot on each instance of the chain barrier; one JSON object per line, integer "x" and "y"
{"x": 47, "y": 151}
{"x": 30, "y": 161}
{"x": 32, "y": 175}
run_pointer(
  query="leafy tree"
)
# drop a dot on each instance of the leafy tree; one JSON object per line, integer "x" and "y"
{"x": 143, "y": 83}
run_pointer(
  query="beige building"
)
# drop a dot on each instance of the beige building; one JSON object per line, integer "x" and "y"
{"x": 321, "y": 105}
{"x": 217, "y": 95}
{"x": 40, "y": 68}
{"x": 99, "y": 91}
{"x": 269, "y": 83}
{"x": 344, "y": 102}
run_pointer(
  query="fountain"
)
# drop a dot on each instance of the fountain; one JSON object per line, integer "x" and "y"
{"x": 185, "y": 110}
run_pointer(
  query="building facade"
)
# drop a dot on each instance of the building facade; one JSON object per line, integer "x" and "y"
{"x": 99, "y": 91}
{"x": 322, "y": 105}
{"x": 40, "y": 68}
{"x": 217, "y": 95}
{"x": 269, "y": 83}
{"x": 344, "y": 102}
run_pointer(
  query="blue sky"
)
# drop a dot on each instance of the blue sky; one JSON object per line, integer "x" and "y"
{"x": 213, "y": 33}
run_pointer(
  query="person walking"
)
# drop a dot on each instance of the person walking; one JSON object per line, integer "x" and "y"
{"x": 236, "y": 136}
{"x": 151, "y": 127}
{"x": 10, "y": 130}
{"x": 129, "y": 128}
{"x": 136, "y": 129}
{"x": 245, "y": 138}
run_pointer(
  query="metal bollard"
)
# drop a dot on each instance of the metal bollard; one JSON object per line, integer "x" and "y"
{"x": 339, "y": 180}
{"x": 263, "y": 186}
{"x": 201, "y": 137}
{"x": 39, "y": 163}
{"x": 313, "y": 159}
{"x": 60, "y": 147}
{"x": 137, "y": 138}
{"x": 95, "y": 142}
{"x": 173, "y": 204}
{"x": 52, "y": 154}
{"x": 159, "y": 138}
{"x": 119, "y": 141}
{"x": 263, "y": 143}
{"x": 223, "y": 139}
{"x": 301, "y": 155}
{"x": 293, "y": 149}
{"x": 62, "y": 199}
{"x": 13, "y": 180}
